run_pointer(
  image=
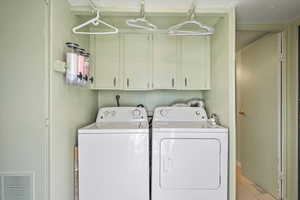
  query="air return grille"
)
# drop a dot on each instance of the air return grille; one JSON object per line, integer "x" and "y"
{"x": 16, "y": 186}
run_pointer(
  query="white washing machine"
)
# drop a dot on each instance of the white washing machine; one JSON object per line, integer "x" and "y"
{"x": 114, "y": 156}
{"x": 189, "y": 155}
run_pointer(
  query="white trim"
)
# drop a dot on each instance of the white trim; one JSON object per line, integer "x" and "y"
{"x": 2, "y": 187}
{"x": 232, "y": 104}
{"x": 283, "y": 113}
{"x": 280, "y": 183}
{"x": 51, "y": 139}
{"x": 45, "y": 147}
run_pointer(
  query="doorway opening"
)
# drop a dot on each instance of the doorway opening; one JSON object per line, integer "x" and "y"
{"x": 259, "y": 104}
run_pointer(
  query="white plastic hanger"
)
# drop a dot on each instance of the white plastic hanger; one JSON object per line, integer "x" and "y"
{"x": 141, "y": 22}
{"x": 175, "y": 30}
{"x": 95, "y": 21}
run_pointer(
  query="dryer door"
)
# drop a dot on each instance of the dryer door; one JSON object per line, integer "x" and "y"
{"x": 190, "y": 163}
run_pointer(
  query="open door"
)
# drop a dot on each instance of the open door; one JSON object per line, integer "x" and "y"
{"x": 260, "y": 113}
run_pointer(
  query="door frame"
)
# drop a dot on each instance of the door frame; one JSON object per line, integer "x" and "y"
{"x": 298, "y": 54}
{"x": 282, "y": 118}
{"x": 282, "y": 134}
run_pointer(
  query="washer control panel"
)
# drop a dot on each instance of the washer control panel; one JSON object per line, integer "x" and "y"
{"x": 121, "y": 114}
{"x": 180, "y": 114}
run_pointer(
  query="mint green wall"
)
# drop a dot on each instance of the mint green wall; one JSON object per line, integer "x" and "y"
{"x": 71, "y": 107}
{"x": 150, "y": 99}
{"x": 218, "y": 97}
{"x": 23, "y": 89}
{"x": 221, "y": 98}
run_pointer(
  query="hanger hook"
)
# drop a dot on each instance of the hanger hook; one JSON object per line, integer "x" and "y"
{"x": 93, "y": 5}
{"x": 192, "y": 11}
{"x": 142, "y": 11}
{"x": 98, "y": 13}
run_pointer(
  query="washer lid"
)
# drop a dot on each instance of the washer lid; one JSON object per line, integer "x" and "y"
{"x": 200, "y": 126}
{"x": 115, "y": 127}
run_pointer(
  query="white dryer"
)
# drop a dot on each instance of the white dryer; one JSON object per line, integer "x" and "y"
{"x": 189, "y": 155}
{"x": 114, "y": 155}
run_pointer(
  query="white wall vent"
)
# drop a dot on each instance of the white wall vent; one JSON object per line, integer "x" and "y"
{"x": 16, "y": 186}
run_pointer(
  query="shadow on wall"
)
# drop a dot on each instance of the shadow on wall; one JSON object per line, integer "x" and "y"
{"x": 150, "y": 99}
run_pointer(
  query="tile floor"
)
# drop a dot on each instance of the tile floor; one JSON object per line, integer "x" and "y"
{"x": 246, "y": 190}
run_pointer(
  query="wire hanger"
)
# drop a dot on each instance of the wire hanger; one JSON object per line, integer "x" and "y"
{"x": 175, "y": 30}
{"x": 141, "y": 22}
{"x": 95, "y": 21}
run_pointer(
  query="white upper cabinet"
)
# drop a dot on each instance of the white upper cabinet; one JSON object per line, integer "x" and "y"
{"x": 137, "y": 61}
{"x": 146, "y": 62}
{"x": 194, "y": 63}
{"x": 164, "y": 61}
{"x": 107, "y": 62}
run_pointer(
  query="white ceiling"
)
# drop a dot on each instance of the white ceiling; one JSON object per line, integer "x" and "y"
{"x": 248, "y": 11}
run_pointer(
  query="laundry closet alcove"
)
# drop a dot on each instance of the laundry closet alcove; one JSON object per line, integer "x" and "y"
{"x": 145, "y": 67}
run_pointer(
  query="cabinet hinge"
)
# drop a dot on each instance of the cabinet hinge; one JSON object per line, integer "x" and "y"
{"x": 282, "y": 57}
{"x": 150, "y": 37}
{"x": 47, "y": 122}
{"x": 281, "y": 176}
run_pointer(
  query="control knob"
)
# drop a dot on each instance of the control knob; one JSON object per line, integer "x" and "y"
{"x": 106, "y": 113}
{"x": 113, "y": 113}
{"x": 198, "y": 112}
{"x": 136, "y": 113}
{"x": 163, "y": 113}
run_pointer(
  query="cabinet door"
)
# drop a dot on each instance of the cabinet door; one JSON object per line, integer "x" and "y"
{"x": 107, "y": 62}
{"x": 164, "y": 61}
{"x": 195, "y": 62}
{"x": 137, "y": 61}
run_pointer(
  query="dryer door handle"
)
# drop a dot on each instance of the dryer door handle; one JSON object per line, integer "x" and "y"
{"x": 167, "y": 164}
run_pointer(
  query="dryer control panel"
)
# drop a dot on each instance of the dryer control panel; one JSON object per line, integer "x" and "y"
{"x": 180, "y": 114}
{"x": 121, "y": 114}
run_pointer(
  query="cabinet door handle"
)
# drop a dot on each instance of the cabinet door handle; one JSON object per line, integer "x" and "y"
{"x": 173, "y": 82}
{"x": 92, "y": 79}
{"x": 115, "y": 82}
{"x": 185, "y": 82}
{"x": 127, "y": 82}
